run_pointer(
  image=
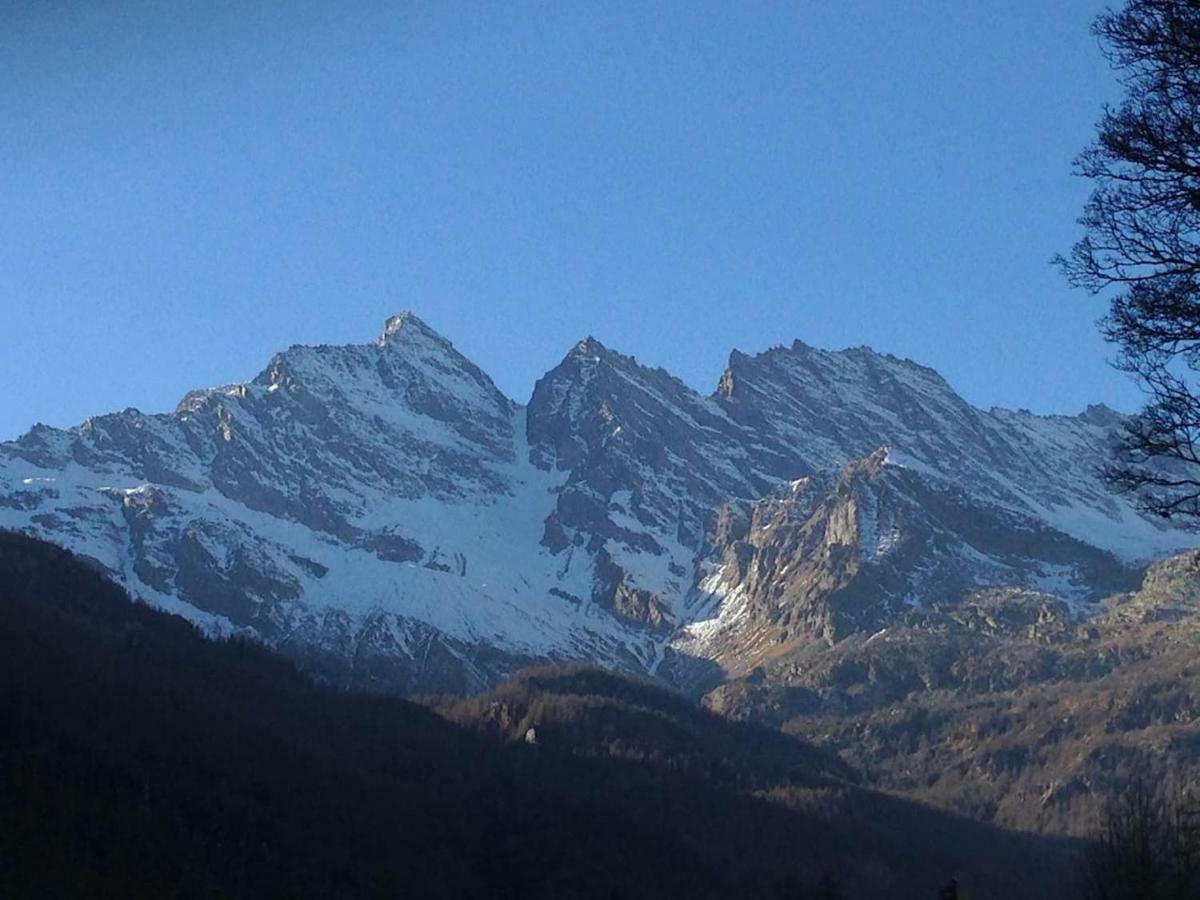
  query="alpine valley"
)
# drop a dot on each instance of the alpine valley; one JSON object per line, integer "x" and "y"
{"x": 831, "y": 542}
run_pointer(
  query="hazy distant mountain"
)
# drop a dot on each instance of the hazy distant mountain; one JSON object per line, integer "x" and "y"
{"x": 384, "y": 514}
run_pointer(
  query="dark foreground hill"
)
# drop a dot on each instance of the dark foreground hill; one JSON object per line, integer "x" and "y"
{"x": 139, "y": 759}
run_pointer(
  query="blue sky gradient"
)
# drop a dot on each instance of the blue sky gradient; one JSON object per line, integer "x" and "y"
{"x": 185, "y": 191}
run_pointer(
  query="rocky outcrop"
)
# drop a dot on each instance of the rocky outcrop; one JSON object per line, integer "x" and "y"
{"x": 830, "y": 556}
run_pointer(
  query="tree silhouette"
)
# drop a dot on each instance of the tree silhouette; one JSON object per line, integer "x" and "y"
{"x": 1146, "y": 849}
{"x": 1142, "y": 238}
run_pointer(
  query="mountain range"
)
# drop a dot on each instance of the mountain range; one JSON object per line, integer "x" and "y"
{"x": 385, "y": 515}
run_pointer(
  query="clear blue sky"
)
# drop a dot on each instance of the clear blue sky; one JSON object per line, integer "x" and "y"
{"x": 185, "y": 191}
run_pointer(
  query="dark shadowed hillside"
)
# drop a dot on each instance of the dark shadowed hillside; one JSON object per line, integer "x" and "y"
{"x": 139, "y": 759}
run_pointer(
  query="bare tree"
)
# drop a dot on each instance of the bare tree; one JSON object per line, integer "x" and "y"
{"x": 1142, "y": 238}
{"x": 1146, "y": 849}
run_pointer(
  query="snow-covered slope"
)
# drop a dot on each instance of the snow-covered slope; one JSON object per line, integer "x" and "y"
{"x": 390, "y": 518}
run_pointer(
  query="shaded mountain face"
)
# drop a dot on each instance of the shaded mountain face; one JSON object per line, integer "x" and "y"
{"x": 383, "y": 514}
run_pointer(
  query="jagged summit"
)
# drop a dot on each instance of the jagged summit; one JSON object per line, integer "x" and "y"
{"x": 407, "y": 327}
{"x": 409, "y": 341}
{"x": 409, "y": 367}
{"x": 590, "y": 352}
{"x": 589, "y": 346}
{"x": 844, "y": 370}
{"x": 1102, "y": 414}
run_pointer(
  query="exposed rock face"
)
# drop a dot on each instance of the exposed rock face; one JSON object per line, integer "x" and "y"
{"x": 384, "y": 514}
{"x": 833, "y": 555}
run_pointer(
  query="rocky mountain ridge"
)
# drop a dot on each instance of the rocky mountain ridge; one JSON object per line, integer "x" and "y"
{"x": 383, "y": 513}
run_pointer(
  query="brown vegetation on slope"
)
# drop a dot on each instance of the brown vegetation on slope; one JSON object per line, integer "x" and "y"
{"x": 1003, "y": 708}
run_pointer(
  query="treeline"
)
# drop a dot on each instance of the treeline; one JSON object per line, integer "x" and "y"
{"x": 138, "y": 759}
